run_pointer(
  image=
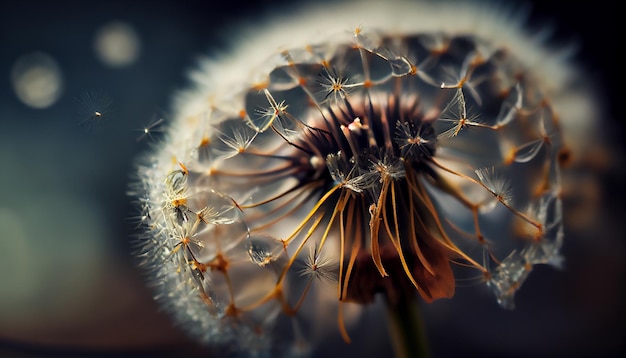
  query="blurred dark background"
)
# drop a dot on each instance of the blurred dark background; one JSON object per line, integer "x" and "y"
{"x": 68, "y": 285}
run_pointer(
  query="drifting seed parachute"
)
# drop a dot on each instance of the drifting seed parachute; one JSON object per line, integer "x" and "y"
{"x": 313, "y": 165}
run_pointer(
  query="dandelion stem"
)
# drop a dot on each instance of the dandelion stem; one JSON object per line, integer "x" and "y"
{"x": 406, "y": 327}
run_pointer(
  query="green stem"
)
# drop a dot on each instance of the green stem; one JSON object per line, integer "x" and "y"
{"x": 406, "y": 328}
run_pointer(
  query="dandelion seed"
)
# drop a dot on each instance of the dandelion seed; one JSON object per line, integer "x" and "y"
{"x": 93, "y": 109}
{"x": 464, "y": 79}
{"x": 508, "y": 278}
{"x": 149, "y": 129}
{"x": 233, "y": 140}
{"x": 268, "y": 115}
{"x": 264, "y": 249}
{"x": 511, "y": 106}
{"x": 493, "y": 180}
{"x": 414, "y": 141}
{"x": 335, "y": 87}
{"x": 455, "y": 117}
{"x": 319, "y": 267}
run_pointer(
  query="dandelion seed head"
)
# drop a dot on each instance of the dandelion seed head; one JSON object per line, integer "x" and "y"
{"x": 334, "y": 166}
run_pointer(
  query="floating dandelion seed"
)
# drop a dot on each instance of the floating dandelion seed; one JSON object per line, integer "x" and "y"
{"x": 343, "y": 168}
{"x": 93, "y": 109}
{"x": 151, "y": 128}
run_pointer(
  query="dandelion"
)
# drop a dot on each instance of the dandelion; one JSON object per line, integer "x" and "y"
{"x": 340, "y": 171}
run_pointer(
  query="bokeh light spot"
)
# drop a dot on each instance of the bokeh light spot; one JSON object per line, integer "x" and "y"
{"x": 117, "y": 44}
{"x": 37, "y": 80}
